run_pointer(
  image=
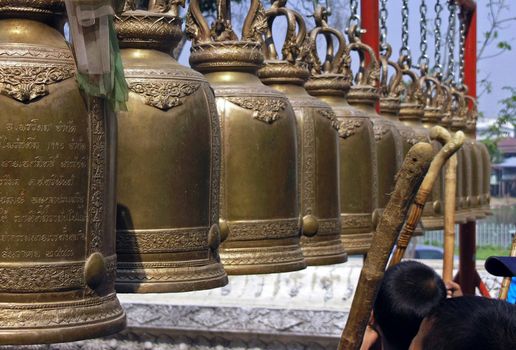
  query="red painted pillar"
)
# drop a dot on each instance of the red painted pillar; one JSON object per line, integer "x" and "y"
{"x": 370, "y": 18}
{"x": 468, "y": 277}
{"x": 470, "y": 56}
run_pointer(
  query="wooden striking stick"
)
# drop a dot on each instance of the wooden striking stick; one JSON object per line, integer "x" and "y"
{"x": 443, "y": 136}
{"x": 408, "y": 180}
{"x": 426, "y": 187}
{"x": 504, "y": 290}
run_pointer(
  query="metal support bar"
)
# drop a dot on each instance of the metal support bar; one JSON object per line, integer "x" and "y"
{"x": 370, "y": 13}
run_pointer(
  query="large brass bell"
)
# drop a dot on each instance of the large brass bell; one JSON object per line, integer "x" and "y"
{"x": 464, "y": 169}
{"x": 412, "y": 113}
{"x": 259, "y": 202}
{"x": 390, "y": 100}
{"x": 485, "y": 163}
{"x": 476, "y": 159}
{"x": 58, "y": 262}
{"x": 390, "y": 104}
{"x": 318, "y": 140}
{"x": 330, "y": 82}
{"x": 168, "y": 163}
{"x": 364, "y": 96}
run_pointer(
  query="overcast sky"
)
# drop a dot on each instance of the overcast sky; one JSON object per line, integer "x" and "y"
{"x": 501, "y": 69}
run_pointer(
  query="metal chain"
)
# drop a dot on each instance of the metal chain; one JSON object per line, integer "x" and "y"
{"x": 354, "y": 19}
{"x": 450, "y": 74}
{"x": 438, "y": 67}
{"x": 405, "y": 49}
{"x": 384, "y": 14}
{"x": 462, "y": 43}
{"x": 423, "y": 61}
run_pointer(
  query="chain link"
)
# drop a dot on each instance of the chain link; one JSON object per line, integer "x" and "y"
{"x": 405, "y": 49}
{"x": 450, "y": 74}
{"x": 462, "y": 43}
{"x": 438, "y": 67}
{"x": 423, "y": 61}
{"x": 354, "y": 18}
{"x": 384, "y": 14}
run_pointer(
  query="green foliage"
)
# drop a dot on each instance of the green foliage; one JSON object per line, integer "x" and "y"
{"x": 506, "y": 118}
{"x": 492, "y": 147}
{"x": 507, "y": 114}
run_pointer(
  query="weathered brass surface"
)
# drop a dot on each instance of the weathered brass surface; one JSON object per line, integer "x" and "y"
{"x": 318, "y": 140}
{"x": 330, "y": 81}
{"x": 168, "y": 164}
{"x": 364, "y": 96}
{"x": 476, "y": 159}
{"x": 58, "y": 262}
{"x": 465, "y": 172}
{"x": 259, "y": 201}
{"x": 412, "y": 113}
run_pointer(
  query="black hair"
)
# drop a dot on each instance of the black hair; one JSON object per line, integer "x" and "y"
{"x": 472, "y": 323}
{"x": 408, "y": 292}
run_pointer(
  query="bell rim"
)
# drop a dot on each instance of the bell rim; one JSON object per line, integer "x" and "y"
{"x": 62, "y": 334}
{"x": 246, "y": 269}
{"x": 168, "y": 277}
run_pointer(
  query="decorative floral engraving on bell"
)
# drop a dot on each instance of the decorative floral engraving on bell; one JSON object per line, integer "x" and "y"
{"x": 167, "y": 213}
{"x": 459, "y": 110}
{"x": 330, "y": 82}
{"x": 259, "y": 200}
{"x": 477, "y": 165}
{"x": 364, "y": 96}
{"x": 58, "y": 262}
{"x": 318, "y": 138}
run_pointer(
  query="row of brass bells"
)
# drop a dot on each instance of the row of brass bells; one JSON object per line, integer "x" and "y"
{"x": 259, "y": 202}
{"x": 412, "y": 113}
{"x": 318, "y": 138}
{"x": 168, "y": 163}
{"x": 58, "y": 259}
{"x": 330, "y": 82}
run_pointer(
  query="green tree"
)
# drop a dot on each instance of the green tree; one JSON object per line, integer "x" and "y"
{"x": 494, "y": 43}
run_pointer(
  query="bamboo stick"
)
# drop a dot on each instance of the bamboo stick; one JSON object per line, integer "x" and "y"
{"x": 408, "y": 180}
{"x": 426, "y": 187}
{"x": 443, "y": 136}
